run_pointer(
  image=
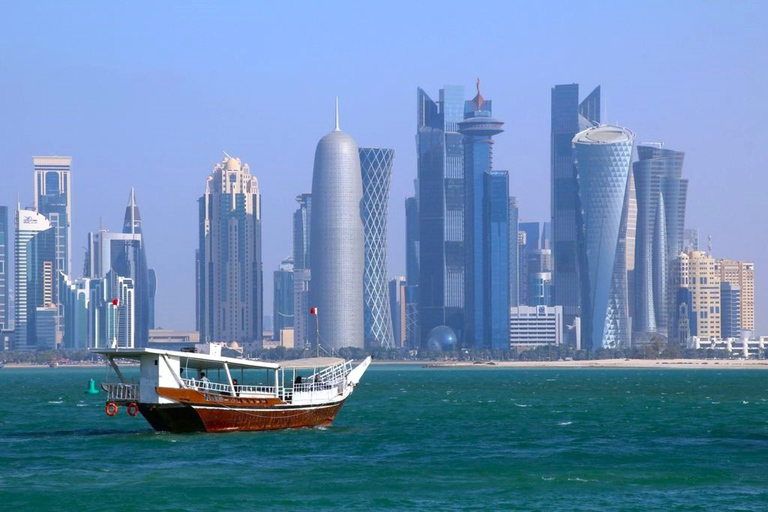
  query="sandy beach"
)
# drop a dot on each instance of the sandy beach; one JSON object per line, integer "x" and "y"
{"x": 613, "y": 363}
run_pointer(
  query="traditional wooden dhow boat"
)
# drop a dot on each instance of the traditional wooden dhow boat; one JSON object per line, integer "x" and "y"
{"x": 193, "y": 392}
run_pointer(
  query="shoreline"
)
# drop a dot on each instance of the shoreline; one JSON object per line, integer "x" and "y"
{"x": 740, "y": 364}
{"x": 715, "y": 364}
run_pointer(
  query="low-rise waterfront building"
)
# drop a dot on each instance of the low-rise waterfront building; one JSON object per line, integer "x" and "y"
{"x": 534, "y": 326}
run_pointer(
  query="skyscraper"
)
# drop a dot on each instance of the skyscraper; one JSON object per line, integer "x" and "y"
{"x": 477, "y": 129}
{"x": 53, "y": 199}
{"x": 337, "y": 241}
{"x": 496, "y": 241}
{"x": 528, "y": 265}
{"x": 568, "y": 118}
{"x": 412, "y": 272}
{"x": 231, "y": 280}
{"x": 730, "y": 310}
{"x": 376, "y": 168}
{"x": 397, "y": 304}
{"x": 34, "y": 255}
{"x": 696, "y": 311}
{"x": 603, "y": 156}
{"x": 741, "y": 274}
{"x": 440, "y": 171}
{"x": 282, "y": 299}
{"x": 661, "y": 198}
{"x": 5, "y": 312}
{"x": 301, "y": 271}
{"x": 514, "y": 253}
{"x": 125, "y": 254}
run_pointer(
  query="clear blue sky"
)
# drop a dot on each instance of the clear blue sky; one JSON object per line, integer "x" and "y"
{"x": 148, "y": 94}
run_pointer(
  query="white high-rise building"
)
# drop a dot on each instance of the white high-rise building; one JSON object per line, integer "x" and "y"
{"x": 33, "y": 252}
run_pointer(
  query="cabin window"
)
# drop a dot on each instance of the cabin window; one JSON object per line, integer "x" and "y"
{"x": 155, "y": 362}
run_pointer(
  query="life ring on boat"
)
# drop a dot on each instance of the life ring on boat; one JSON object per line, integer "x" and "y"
{"x": 133, "y": 409}
{"x": 111, "y": 408}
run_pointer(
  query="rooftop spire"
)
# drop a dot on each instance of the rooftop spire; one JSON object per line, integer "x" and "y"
{"x": 337, "y": 115}
{"x": 479, "y": 98}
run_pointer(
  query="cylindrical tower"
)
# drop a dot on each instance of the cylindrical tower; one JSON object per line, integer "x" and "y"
{"x": 337, "y": 241}
{"x": 376, "y": 167}
{"x": 603, "y": 157}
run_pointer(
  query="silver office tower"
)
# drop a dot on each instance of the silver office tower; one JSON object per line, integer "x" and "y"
{"x": 229, "y": 270}
{"x": 661, "y": 198}
{"x": 337, "y": 241}
{"x": 603, "y": 156}
{"x": 376, "y": 167}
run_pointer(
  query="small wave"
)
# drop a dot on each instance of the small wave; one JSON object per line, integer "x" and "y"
{"x": 548, "y": 478}
{"x": 521, "y": 405}
{"x": 577, "y": 479}
{"x": 56, "y": 401}
{"x": 564, "y": 423}
{"x": 82, "y": 405}
{"x": 744, "y": 402}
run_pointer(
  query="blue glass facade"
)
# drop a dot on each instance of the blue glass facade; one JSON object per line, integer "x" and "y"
{"x": 730, "y": 307}
{"x": 514, "y": 253}
{"x": 130, "y": 260}
{"x": 282, "y": 304}
{"x": 661, "y": 199}
{"x": 5, "y": 312}
{"x": 527, "y": 265}
{"x": 603, "y": 156}
{"x": 496, "y": 255}
{"x": 478, "y": 129}
{"x": 440, "y": 171}
{"x": 568, "y": 118}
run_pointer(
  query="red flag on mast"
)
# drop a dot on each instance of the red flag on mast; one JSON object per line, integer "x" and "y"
{"x": 313, "y": 311}
{"x": 114, "y": 302}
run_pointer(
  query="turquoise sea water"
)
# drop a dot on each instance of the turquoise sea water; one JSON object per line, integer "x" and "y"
{"x": 408, "y": 439}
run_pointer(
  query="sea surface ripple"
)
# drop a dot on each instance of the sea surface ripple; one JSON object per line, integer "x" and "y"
{"x": 408, "y": 439}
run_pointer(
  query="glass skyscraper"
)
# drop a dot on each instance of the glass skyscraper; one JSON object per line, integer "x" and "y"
{"x": 661, "y": 200}
{"x": 441, "y": 200}
{"x": 34, "y": 256}
{"x": 125, "y": 255}
{"x": 568, "y": 118}
{"x": 53, "y": 199}
{"x": 496, "y": 241}
{"x": 5, "y": 312}
{"x": 376, "y": 169}
{"x": 412, "y": 273}
{"x": 602, "y": 158}
{"x": 477, "y": 129}
{"x": 282, "y": 303}
{"x": 301, "y": 271}
{"x": 514, "y": 253}
{"x": 230, "y": 267}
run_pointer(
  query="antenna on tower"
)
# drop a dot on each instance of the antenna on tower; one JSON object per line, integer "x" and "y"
{"x": 226, "y": 154}
{"x": 709, "y": 245}
{"x": 337, "y": 115}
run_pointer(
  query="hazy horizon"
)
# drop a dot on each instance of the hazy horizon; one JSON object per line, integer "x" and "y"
{"x": 149, "y": 95}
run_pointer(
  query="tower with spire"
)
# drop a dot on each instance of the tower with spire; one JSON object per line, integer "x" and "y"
{"x": 337, "y": 241}
{"x": 481, "y": 188}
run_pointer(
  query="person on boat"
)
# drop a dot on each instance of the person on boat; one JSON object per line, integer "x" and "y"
{"x": 236, "y": 386}
{"x": 204, "y": 380}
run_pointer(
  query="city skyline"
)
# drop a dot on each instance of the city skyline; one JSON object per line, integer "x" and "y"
{"x": 191, "y": 119}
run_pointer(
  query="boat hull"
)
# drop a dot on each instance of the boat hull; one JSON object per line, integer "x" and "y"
{"x": 180, "y": 418}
